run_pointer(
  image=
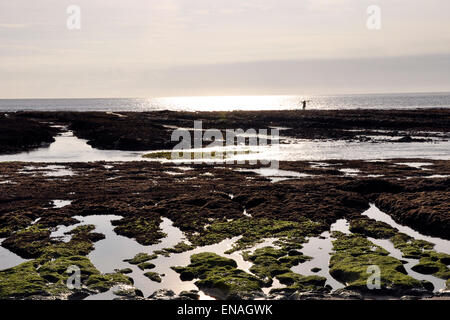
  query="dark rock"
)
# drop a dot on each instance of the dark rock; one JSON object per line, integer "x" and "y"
{"x": 162, "y": 294}
{"x": 428, "y": 285}
{"x": 78, "y": 295}
{"x": 193, "y": 294}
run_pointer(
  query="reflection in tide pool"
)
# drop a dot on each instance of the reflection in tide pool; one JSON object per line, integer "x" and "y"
{"x": 8, "y": 259}
{"x": 110, "y": 252}
{"x": 61, "y": 203}
{"x": 342, "y": 150}
{"x": 438, "y": 283}
{"x": 68, "y": 148}
{"x": 277, "y": 175}
{"x": 320, "y": 249}
{"x": 440, "y": 245}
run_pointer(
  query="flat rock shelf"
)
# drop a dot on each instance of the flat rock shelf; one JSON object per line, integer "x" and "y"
{"x": 98, "y": 193}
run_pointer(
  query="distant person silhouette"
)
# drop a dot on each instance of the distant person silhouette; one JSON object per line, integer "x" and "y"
{"x": 304, "y": 104}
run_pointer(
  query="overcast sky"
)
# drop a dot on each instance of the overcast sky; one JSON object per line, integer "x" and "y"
{"x": 136, "y": 48}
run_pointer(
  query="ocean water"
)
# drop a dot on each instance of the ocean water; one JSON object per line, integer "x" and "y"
{"x": 229, "y": 103}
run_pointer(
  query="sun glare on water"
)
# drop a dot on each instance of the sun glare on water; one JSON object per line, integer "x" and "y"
{"x": 228, "y": 103}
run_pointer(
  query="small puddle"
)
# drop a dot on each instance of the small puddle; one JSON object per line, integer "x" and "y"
{"x": 350, "y": 172}
{"x": 173, "y": 173}
{"x": 9, "y": 259}
{"x": 48, "y": 171}
{"x": 36, "y": 220}
{"x": 7, "y": 182}
{"x": 277, "y": 175}
{"x": 341, "y": 225}
{"x": 246, "y": 214}
{"x": 320, "y": 249}
{"x": 416, "y": 165}
{"x": 61, "y": 203}
{"x": 321, "y": 165}
{"x": 437, "y": 176}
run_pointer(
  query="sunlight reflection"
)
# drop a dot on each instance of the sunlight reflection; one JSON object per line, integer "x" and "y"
{"x": 228, "y": 103}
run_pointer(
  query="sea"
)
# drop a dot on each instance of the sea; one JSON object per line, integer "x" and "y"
{"x": 231, "y": 103}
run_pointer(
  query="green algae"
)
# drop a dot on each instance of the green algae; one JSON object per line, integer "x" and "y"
{"x": 22, "y": 281}
{"x": 87, "y": 228}
{"x": 58, "y": 267}
{"x": 154, "y": 276}
{"x": 145, "y": 229}
{"x": 5, "y": 231}
{"x": 265, "y": 251}
{"x": 125, "y": 271}
{"x": 372, "y": 228}
{"x": 41, "y": 277}
{"x": 298, "y": 282}
{"x": 178, "y": 248}
{"x": 158, "y": 155}
{"x": 410, "y": 247}
{"x": 127, "y": 291}
{"x": 104, "y": 282}
{"x": 12, "y": 223}
{"x": 434, "y": 263}
{"x": 146, "y": 266}
{"x": 34, "y": 242}
{"x": 219, "y": 276}
{"x": 254, "y": 231}
{"x": 47, "y": 274}
{"x": 28, "y": 242}
{"x": 269, "y": 262}
{"x": 430, "y": 261}
{"x": 352, "y": 256}
{"x": 141, "y": 258}
{"x": 90, "y": 276}
{"x": 355, "y": 245}
{"x": 203, "y": 262}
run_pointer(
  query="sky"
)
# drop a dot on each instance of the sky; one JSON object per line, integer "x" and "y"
{"x": 152, "y": 48}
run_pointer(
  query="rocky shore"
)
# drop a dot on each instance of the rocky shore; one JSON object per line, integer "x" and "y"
{"x": 22, "y": 134}
{"x": 152, "y": 130}
{"x": 212, "y": 203}
{"x": 201, "y": 206}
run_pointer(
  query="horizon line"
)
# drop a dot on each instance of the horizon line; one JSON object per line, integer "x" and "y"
{"x": 237, "y": 95}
